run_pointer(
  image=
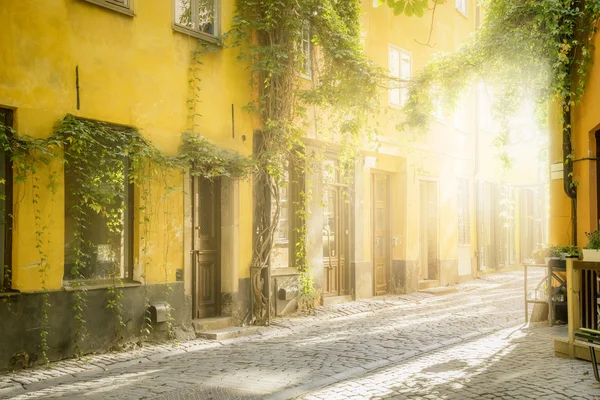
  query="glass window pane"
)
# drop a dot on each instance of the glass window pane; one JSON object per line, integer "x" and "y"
{"x": 394, "y": 63}
{"x": 305, "y": 51}
{"x": 183, "y": 13}
{"x": 405, "y": 67}
{"x": 280, "y": 258}
{"x": 206, "y": 16}
{"x": 329, "y": 172}
{"x": 329, "y": 223}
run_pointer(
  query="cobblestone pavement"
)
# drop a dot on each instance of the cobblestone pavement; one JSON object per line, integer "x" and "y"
{"x": 468, "y": 344}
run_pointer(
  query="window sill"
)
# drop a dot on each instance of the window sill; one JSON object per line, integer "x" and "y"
{"x": 395, "y": 106}
{"x": 120, "y": 9}
{"x": 286, "y": 271}
{"x": 98, "y": 285}
{"x": 199, "y": 35}
{"x": 11, "y": 293}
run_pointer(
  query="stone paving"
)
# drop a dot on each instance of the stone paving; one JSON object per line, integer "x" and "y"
{"x": 468, "y": 344}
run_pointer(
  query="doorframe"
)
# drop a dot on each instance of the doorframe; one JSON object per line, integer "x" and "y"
{"x": 436, "y": 180}
{"x": 388, "y": 249}
{"x": 194, "y": 252}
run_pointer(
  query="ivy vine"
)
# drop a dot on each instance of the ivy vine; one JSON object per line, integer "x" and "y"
{"x": 526, "y": 50}
{"x": 344, "y": 85}
{"x": 103, "y": 161}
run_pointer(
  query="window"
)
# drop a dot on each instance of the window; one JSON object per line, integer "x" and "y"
{"x": 284, "y": 245}
{"x": 400, "y": 68}
{"x": 464, "y": 223}
{"x": 6, "y": 123}
{"x": 281, "y": 251}
{"x": 123, "y": 6}
{"x": 197, "y": 17}
{"x": 461, "y": 6}
{"x": 305, "y": 52}
{"x": 98, "y": 231}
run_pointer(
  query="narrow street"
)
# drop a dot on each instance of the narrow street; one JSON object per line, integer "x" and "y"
{"x": 466, "y": 344}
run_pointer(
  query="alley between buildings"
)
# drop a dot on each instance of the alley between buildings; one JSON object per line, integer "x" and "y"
{"x": 468, "y": 343}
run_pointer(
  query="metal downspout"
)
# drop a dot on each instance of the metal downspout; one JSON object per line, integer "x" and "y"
{"x": 568, "y": 186}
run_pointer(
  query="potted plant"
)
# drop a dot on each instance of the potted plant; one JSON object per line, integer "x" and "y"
{"x": 555, "y": 252}
{"x": 569, "y": 251}
{"x": 591, "y": 251}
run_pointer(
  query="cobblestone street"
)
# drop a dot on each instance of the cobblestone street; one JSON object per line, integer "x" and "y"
{"x": 468, "y": 344}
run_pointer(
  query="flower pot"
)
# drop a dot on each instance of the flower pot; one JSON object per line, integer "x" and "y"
{"x": 591, "y": 255}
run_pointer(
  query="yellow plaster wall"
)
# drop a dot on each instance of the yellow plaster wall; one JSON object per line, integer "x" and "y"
{"x": 132, "y": 71}
{"x": 443, "y": 154}
{"x": 585, "y": 122}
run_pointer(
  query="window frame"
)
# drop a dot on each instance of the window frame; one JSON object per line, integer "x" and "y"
{"x": 124, "y": 7}
{"x": 128, "y": 223}
{"x": 462, "y": 6}
{"x": 212, "y": 38}
{"x": 6, "y": 285}
{"x": 402, "y": 91}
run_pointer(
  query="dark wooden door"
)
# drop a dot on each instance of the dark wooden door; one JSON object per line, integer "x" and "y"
{"x": 207, "y": 235}
{"x": 381, "y": 240}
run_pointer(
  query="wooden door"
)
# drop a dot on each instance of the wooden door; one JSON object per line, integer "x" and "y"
{"x": 207, "y": 233}
{"x": 381, "y": 240}
{"x": 335, "y": 234}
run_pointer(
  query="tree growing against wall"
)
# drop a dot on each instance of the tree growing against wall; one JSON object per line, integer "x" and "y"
{"x": 344, "y": 86}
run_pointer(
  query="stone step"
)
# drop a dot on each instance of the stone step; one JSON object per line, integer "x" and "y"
{"x": 428, "y": 283}
{"x": 209, "y": 324}
{"x": 228, "y": 333}
{"x": 439, "y": 291}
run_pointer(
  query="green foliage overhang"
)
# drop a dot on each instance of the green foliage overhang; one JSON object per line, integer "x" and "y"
{"x": 538, "y": 49}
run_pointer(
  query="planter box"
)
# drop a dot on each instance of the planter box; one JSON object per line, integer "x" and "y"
{"x": 591, "y": 255}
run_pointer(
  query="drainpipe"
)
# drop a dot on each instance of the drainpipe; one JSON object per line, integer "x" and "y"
{"x": 476, "y": 186}
{"x": 569, "y": 188}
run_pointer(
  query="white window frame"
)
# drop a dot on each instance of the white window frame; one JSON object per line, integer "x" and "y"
{"x": 122, "y": 6}
{"x": 398, "y": 96}
{"x": 461, "y": 6}
{"x": 195, "y": 31}
{"x": 305, "y": 50}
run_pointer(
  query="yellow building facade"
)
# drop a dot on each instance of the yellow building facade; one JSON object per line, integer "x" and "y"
{"x": 571, "y": 218}
{"x": 408, "y": 221}
{"x": 132, "y": 65}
